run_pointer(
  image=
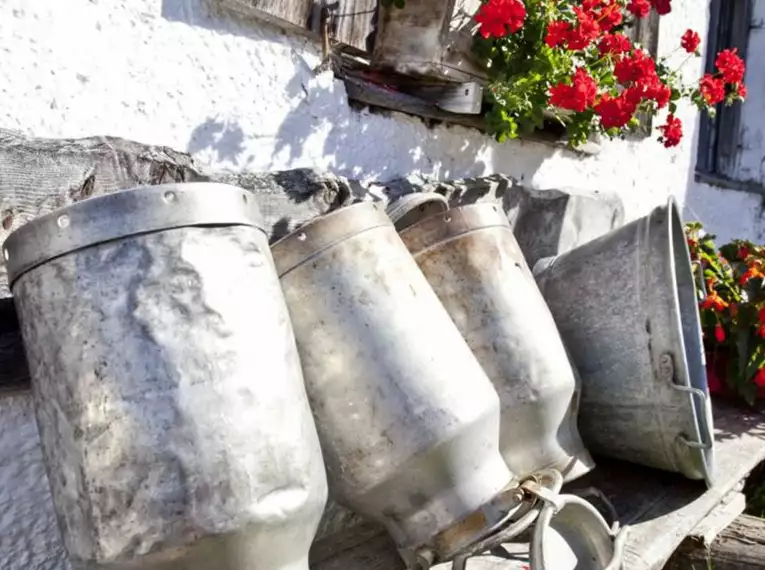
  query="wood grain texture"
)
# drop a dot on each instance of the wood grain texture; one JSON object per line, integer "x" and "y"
{"x": 741, "y": 546}
{"x": 300, "y": 15}
{"x": 41, "y": 175}
{"x": 350, "y": 22}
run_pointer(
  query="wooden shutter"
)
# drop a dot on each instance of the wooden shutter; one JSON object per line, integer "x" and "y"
{"x": 719, "y": 146}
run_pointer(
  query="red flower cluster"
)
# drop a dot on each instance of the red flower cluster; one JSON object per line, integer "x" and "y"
{"x": 690, "y": 41}
{"x": 576, "y": 96}
{"x": 672, "y": 132}
{"x": 498, "y": 17}
{"x": 614, "y": 111}
{"x": 614, "y": 44}
{"x": 641, "y": 8}
{"x": 730, "y": 65}
{"x": 592, "y": 19}
{"x": 730, "y": 70}
{"x": 712, "y": 89}
{"x": 637, "y": 73}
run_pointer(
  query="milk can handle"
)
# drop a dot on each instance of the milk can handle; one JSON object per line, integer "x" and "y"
{"x": 618, "y": 534}
{"x": 544, "y": 493}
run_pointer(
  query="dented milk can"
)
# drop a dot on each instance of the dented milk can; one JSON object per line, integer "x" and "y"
{"x": 626, "y": 307}
{"x": 169, "y": 396}
{"x": 471, "y": 259}
{"x": 408, "y": 421}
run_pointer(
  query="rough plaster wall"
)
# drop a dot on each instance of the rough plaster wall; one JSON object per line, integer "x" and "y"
{"x": 241, "y": 96}
{"x": 728, "y": 214}
{"x": 29, "y": 538}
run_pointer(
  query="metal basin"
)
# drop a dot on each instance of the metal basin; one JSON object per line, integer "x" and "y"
{"x": 626, "y": 307}
{"x": 474, "y": 264}
{"x": 408, "y": 420}
{"x": 169, "y": 396}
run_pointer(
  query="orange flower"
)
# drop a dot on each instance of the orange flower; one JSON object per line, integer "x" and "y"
{"x": 714, "y": 302}
{"x": 751, "y": 273}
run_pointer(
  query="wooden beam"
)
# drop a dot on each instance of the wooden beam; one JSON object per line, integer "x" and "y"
{"x": 740, "y": 546}
{"x": 376, "y": 96}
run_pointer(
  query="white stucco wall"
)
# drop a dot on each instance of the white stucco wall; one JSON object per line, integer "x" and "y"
{"x": 242, "y": 96}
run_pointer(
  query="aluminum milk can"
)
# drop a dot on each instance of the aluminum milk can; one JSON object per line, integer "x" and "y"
{"x": 169, "y": 396}
{"x": 408, "y": 420}
{"x": 474, "y": 264}
{"x": 626, "y": 307}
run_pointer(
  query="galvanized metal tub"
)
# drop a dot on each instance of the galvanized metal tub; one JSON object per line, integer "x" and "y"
{"x": 408, "y": 420}
{"x": 626, "y": 307}
{"x": 169, "y": 395}
{"x": 474, "y": 264}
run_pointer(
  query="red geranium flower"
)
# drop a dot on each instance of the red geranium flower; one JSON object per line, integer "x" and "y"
{"x": 712, "y": 89}
{"x": 614, "y": 44}
{"x": 615, "y": 111}
{"x": 576, "y": 96}
{"x": 743, "y": 252}
{"x": 641, "y": 8}
{"x": 742, "y": 91}
{"x": 557, "y": 33}
{"x": 498, "y": 17}
{"x": 731, "y": 66}
{"x": 610, "y": 16}
{"x": 636, "y": 67}
{"x": 759, "y": 378}
{"x": 672, "y": 133}
{"x": 663, "y": 7}
{"x": 586, "y": 31}
{"x": 719, "y": 333}
{"x": 690, "y": 41}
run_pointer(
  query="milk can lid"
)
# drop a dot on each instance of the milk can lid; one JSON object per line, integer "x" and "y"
{"x": 140, "y": 210}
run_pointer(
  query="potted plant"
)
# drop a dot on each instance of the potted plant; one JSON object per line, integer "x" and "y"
{"x": 732, "y": 312}
{"x": 571, "y": 60}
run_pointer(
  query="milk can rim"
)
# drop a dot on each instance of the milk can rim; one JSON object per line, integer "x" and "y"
{"x": 106, "y": 218}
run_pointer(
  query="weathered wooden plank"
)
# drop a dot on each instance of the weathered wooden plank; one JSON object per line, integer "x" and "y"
{"x": 40, "y": 175}
{"x": 352, "y": 22}
{"x": 298, "y": 15}
{"x": 719, "y": 519}
{"x": 348, "y": 22}
{"x": 374, "y": 95}
{"x": 740, "y": 546}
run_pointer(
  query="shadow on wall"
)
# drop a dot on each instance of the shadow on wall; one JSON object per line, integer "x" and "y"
{"x": 321, "y": 129}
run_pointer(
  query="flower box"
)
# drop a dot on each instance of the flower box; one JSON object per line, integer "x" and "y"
{"x": 430, "y": 39}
